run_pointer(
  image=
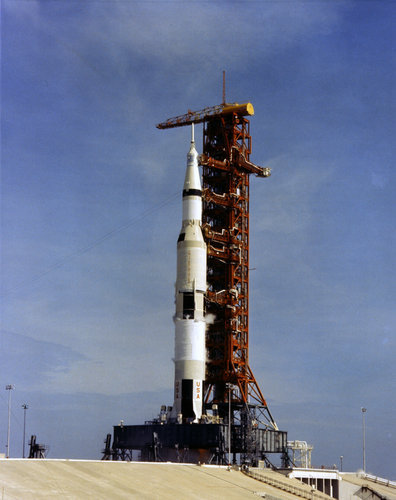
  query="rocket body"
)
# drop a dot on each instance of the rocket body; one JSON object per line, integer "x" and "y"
{"x": 190, "y": 352}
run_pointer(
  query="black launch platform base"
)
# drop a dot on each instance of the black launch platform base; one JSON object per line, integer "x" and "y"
{"x": 195, "y": 443}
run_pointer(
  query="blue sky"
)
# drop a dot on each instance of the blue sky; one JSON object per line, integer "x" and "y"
{"x": 91, "y": 207}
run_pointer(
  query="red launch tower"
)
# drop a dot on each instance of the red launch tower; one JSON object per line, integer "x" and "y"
{"x": 226, "y": 170}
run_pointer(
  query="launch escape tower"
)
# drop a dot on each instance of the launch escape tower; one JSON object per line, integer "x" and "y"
{"x": 239, "y": 419}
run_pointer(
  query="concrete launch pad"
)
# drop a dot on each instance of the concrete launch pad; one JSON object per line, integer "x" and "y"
{"x": 30, "y": 479}
{"x": 75, "y": 479}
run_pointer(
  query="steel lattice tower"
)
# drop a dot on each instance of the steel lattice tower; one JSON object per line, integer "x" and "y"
{"x": 231, "y": 390}
{"x": 226, "y": 170}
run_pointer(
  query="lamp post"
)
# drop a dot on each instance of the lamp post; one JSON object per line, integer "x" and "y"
{"x": 9, "y": 388}
{"x": 364, "y": 437}
{"x": 341, "y": 457}
{"x": 25, "y": 407}
{"x": 229, "y": 387}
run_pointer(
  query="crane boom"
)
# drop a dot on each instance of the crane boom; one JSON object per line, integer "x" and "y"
{"x": 207, "y": 113}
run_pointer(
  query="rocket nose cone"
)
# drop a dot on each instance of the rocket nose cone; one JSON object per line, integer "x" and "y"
{"x": 192, "y": 179}
{"x": 192, "y": 154}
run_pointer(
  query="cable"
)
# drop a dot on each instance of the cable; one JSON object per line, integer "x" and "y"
{"x": 99, "y": 241}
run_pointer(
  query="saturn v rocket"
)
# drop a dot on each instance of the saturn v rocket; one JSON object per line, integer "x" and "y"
{"x": 190, "y": 353}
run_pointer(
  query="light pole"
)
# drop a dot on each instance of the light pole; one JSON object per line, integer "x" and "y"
{"x": 25, "y": 407}
{"x": 341, "y": 457}
{"x": 9, "y": 388}
{"x": 229, "y": 387}
{"x": 364, "y": 437}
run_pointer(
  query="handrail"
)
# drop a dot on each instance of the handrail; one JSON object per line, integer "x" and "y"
{"x": 283, "y": 485}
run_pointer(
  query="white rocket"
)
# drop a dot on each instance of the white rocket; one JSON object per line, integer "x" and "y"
{"x": 190, "y": 353}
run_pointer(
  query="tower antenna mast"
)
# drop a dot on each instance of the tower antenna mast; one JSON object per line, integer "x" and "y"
{"x": 224, "y": 89}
